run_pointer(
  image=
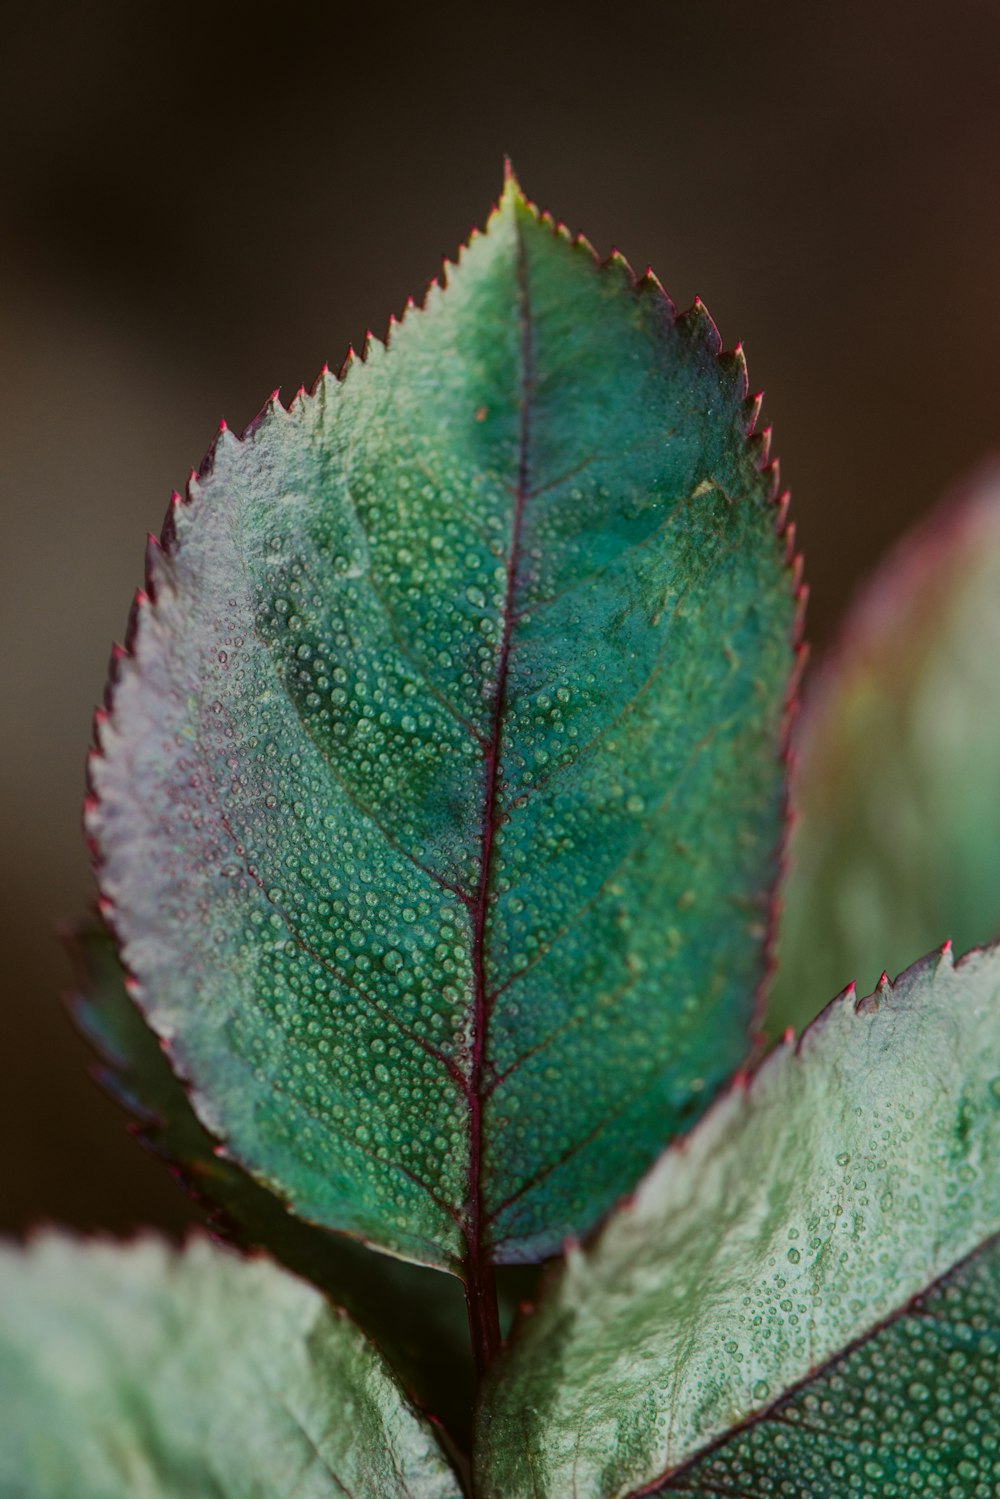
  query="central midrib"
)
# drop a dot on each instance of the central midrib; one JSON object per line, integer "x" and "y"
{"x": 480, "y": 1291}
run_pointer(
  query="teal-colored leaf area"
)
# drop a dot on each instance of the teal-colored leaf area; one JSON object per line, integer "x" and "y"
{"x": 416, "y": 1316}
{"x": 439, "y": 803}
{"x": 914, "y": 1410}
{"x": 896, "y": 842}
{"x": 130, "y": 1370}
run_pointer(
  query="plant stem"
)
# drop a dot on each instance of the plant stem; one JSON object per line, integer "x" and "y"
{"x": 484, "y": 1315}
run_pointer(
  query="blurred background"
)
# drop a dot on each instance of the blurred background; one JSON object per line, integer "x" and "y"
{"x": 199, "y": 203}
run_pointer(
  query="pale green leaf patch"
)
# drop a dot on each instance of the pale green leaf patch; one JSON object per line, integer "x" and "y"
{"x": 896, "y": 842}
{"x": 856, "y": 1167}
{"x": 134, "y": 1369}
{"x": 913, "y": 1409}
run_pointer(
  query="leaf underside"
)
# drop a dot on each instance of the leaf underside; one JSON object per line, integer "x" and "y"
{"x": 438, "y": 807}
{"x": 896, "y": 841}
{"x": 415, "y": 1316}
{"x": 915, "y": 1409}
{"x": 854, "y": 1170}
{"x": 131, "y": 1369}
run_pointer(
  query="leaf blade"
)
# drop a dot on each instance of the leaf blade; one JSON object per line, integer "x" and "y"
{"x": 808, "y": 1205}
{"x": 515, "y": 630}
{"x": 127, "y": 1369}
{"x": 914, "y": 1409}
{"x": 894, "y": 845}
{"x": 416, "y": 1317}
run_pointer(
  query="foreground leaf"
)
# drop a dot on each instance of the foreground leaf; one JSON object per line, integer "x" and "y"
{"x": 439, "y": 805}
{"x": 416, "y": 1316}
{"x": 132, "y": 1370}
{"x": 813, "y": 1202}
{"x": 896, "y": 845}
{"x": 915, "y": 1409}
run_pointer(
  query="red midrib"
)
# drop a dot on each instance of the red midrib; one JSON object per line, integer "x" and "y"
{"x": 479, "y": 1278}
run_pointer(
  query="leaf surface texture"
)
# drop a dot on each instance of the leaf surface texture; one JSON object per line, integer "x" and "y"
{"x": 915, "y": 1409}
{"x": 132, "y": 1370}
{"x": 416, "y": 1316}
{"x": 853, "y": 1170}
{"x": 439, "y": 805}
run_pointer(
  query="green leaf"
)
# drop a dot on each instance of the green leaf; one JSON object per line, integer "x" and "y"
{"x": 915, "y": 1409}
{"x": 896, "y": 845}
{"x": 131, "y": 1370}
{"x": 812, "y": 1202}
{"x": 416, "y": 1316}
{"x": 439, "y": 804}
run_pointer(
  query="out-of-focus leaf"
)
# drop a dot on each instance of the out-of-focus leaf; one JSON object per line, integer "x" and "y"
{"x": 130, "y": 1370}
{"x": 416, "y": 1316}
{"x": 896, "y": 843}
{"x": 439, "y": 802}
{"x": 814, "y": 1200}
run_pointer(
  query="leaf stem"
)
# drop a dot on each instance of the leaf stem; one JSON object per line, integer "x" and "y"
{"x": 484, "y": 1315}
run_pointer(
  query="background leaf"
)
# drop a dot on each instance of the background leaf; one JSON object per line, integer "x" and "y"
{"x": 915, "y": 1409}
{"x": 439, "y": 805}
{"x": 896, "y": 843}
{"x": 812, "y": 1202}
{"x": 131, "y": 1369}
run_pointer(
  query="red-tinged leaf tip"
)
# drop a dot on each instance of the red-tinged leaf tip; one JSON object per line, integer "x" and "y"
{"x": 781, "y": 510}
{"x": 511, "y": 191}
{"x": 761, "y": 443}
{"x": 789, "y": 1035}
{"x": 223, "y": 427}
{"x": 617, "y": 263}
{"x": 946, "y": 949}
{"x": 581, "y": 242}
{"x": 734, "y": 363}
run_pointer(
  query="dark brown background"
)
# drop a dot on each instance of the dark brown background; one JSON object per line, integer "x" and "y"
{"x": 198, "y": 204}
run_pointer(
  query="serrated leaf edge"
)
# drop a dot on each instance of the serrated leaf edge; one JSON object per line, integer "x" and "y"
{"x": 700, "y": 326}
